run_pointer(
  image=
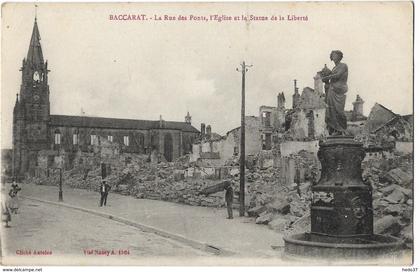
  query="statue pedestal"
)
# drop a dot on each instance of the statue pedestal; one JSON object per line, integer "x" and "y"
{"x": 341, "y": 209}
{"x": 341, "y": 202}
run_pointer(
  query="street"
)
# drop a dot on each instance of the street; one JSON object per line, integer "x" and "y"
{"x": 240, "y": 235}
{"x": 41, "y": 231}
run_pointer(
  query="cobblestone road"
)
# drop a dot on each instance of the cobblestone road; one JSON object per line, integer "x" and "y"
{"x": 62, "y": 232}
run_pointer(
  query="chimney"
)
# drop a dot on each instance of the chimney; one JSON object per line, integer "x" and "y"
{"x": 280, "y": 101}
{"x": 160, "y": 121}
{"x": 296, "y": 96}
{"x": 203, "y": 130}
{"x": 208, "y": 131}
{"x": 358, "y": 106}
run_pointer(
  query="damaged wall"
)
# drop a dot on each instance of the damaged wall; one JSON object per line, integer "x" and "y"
{"x": 320, "y": 127}
{"x": 229, "y": 145}
{"x": 299, "y": 127}
{"x": 311, "y": 99}
{"x": 272, "y": 117}
{"x": 291, "y": 147}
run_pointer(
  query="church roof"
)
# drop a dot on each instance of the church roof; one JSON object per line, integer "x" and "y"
{"x": 116, "y": 123}
{"x": 35, "y": 51}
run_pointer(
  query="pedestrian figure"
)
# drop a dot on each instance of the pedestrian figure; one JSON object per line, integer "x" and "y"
{"x": 229, "y": 199}
{"x": 5, "y": 212}
{"x": 104, "y": 189}
{"x": 14, "y": 201}
{"x": 15, "y": 186}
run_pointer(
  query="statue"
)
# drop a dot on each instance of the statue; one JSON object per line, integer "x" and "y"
{"x": 335, "y": 94}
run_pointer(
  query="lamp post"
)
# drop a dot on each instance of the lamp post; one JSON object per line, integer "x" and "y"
{"x": 243, "y": 69}
{"x": 60, "y": 186}
{"x": 60, "y": 181}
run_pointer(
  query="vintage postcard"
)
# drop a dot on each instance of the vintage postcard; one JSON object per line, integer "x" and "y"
{"x": 207, "y": 133}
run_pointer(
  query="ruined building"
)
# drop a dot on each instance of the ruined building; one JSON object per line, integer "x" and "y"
{"x": 275, "y": 127}
{"x": 296, "y": 95}
{"x": 306, "y": 121}
{"x": 384, "y": 127}
{"x": 355, "y": 118}
{"x": 36, "y": 130}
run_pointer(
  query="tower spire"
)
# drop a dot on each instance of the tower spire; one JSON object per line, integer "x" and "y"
{"x": 188, "y": 118}
{"x": 35, "y": 56}
{"x": 296, "y": 95}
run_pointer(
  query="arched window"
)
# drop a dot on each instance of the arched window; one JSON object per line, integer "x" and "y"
{"x": 126, "y": 141}
{"x": 57, "y": 137}
{"x": 93, "y": 139}
{"x": 76, "y": 137}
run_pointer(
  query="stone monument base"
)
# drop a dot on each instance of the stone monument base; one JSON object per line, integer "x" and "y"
{"x": 309, "y": 245}
{"x": 341, "y": 210}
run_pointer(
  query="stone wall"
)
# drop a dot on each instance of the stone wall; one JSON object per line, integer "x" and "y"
{"x": 229, "y": 145}
{"x": 311, "y": 99}
{"x": 277, "y": 117}
{"x": 320, "y": 127}
{"x": 140, "y": 141}
{"x": 252, "y": 135}
{"x": 290, "y": 147}
{"x": 299, "y": 127}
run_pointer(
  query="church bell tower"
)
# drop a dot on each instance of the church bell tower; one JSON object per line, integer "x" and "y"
{"x": 32, "y": 108}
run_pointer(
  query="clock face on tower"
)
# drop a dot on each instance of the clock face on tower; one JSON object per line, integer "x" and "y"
{"x": 36, "y": 97}
{"x": 36, "y": 76}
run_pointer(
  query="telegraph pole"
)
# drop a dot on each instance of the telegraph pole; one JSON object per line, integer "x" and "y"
{"x": 243, "y": 70}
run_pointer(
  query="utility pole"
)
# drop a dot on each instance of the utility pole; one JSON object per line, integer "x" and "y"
{"x": 243, "y": 70}
{"x": 60, "y": 186}
{"x": 60, "y": 181}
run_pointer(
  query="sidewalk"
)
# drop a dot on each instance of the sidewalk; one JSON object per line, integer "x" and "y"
{"x": 209, "y": 225}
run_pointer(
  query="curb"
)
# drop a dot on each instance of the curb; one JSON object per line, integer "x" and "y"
{"x": 193, "y": 243}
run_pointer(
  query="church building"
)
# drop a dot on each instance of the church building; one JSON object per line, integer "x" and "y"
{"x": 36, "y": 130}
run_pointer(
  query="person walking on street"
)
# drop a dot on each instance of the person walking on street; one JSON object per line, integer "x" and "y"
{"x": 15, "y": 186}
{"x": 14, "y": 201}
{"x": 6, "y": 216}
{"x": 229, "y": 199}
{"x": 104, "y": 189}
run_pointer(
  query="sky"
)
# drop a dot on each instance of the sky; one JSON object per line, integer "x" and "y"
{"x": 144, "y": 69}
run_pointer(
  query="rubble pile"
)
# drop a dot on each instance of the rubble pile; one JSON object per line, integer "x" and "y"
{"x": 392, "y": 182}
{"x": 281, "y": 203}
{"x": 281, "y": 207}
{"x": 134, "y": 175}
{"x": 277, "y": 202}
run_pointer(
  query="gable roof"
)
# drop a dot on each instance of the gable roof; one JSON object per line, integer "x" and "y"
{"x": 392, "y": 121}
{"x": 378, "y": 116}
{"x": 385, "y": 108}
{"x": 117, "y": 123}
